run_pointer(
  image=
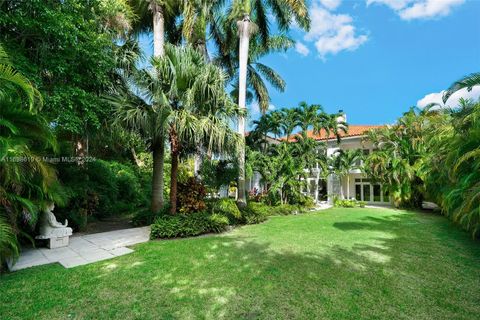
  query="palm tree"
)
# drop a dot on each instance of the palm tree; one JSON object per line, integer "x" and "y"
{"x": 290, "y": 121}
{"x": 151, "y": 16}
{"x": 308, "y": 115}
{"x": 466, "y": 82}
{"x": 182, "y": 96}
{"x": 343, "y": 161}
{"x": 258, "y": 73}
{"x": 242, "y": 10}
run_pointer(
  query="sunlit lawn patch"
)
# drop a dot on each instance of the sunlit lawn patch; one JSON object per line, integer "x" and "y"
{"x": 335, "y": 264}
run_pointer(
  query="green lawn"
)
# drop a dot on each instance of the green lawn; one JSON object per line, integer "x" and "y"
{"x": 335, "y": 264}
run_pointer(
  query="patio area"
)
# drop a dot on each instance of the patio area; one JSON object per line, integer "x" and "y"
{"x": 84, "y": 249}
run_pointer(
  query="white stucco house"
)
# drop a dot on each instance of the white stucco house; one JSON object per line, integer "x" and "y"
{"x": 356, "y": 185}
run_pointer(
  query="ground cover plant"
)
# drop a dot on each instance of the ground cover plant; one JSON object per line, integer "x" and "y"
{"x": 335, "y": 264}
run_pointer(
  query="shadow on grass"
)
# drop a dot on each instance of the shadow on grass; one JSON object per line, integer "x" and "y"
{"x": 235, "y": 277}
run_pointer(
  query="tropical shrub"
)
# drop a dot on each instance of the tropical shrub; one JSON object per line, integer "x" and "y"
{"x": 8, "y": 243}
{"x": 348, "y": 203}
{"x": 193, "y": 224}
{"x": 99, "y": 189}
{"x": 217, "y": 173}
{"x": 191, "y": 196}
{"x": 452, "y": 170}
{"x": 26, "y": 181}
{"x": 227, "y": 207}
{"x": 255, "y": 212}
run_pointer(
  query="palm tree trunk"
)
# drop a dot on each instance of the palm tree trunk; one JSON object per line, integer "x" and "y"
{"x": 158, "y": 51}
{"x": 173, "y": 183}
{"x": 157, "y": 180}
{"x": 316, "y": 185}
{"x": 244, "y": 35}
{"x": 175, "y": 151}
{"x": 158, "y": 29}
{"x": 348, "y": 187}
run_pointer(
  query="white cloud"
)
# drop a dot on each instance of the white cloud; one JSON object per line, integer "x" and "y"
{"x": 436, "y": 97}
{"x": 420, "y": 9}
{"x": 255, "y": 108}
{"x": 332, "y": 33}
{"x": 302, "y": 49}
{"x": 331, "y": 4}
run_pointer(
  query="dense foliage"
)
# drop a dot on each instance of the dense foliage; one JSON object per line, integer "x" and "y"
{"x": 67, "y": 50}
{"x": 432, "y": 155}
{"x": 285, "y": 163}
{"x": 452, "y": 170}
{"x": 401, "y": 149}
{"x": 100, "y": 189}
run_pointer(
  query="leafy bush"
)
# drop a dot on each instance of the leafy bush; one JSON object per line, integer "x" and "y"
{"x": 193, "y": 224}
{"x": 286, "y": 209}
{"x": 306, "y": 201}
{"x": 348, "y": 203}
{"x": 8, "y": 242}
{"x": 99, "y": 189}
{"x": 255, "y": 212}
{"x": 191, "y": 196}
{"x": 228, "y": 208}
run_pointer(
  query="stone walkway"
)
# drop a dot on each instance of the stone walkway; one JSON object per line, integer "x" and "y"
{"x": 85, "y": 249}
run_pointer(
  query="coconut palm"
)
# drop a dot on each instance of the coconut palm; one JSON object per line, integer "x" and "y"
{"x": 243, "y": 10}
{"x": 467, "y": 82}
{"x": 258, "y": 73}
{"x": 183, "y": 97}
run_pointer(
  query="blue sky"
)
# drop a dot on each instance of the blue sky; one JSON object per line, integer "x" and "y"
{"x": 376, "y": 58}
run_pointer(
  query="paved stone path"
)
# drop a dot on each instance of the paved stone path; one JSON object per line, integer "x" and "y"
{"x": 85, "y": 249}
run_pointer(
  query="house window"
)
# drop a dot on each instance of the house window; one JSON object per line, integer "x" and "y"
{"x": 366, "y": 192}
{"x": 358, "y": 192}
{"x": 377, "y": 195}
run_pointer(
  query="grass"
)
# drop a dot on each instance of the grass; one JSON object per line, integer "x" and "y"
{"x": 335, "y": 264}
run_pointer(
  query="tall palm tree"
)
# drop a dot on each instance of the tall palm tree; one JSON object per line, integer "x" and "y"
{"x": 182, "y": 96}
{"x": 152, "y": 15}
{"x": 468, "y": 82}
{"x": 258, "y": 73}
{"x": 243, "y": 10}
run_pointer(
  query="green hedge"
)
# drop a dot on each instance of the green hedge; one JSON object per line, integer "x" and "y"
{"x": 193, "y": 224}
{"x": 216, "y": 218}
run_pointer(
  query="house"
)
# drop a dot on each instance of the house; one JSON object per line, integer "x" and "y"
{"x": 355, "y": 185}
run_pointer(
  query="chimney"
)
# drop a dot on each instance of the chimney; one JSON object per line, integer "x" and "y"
{"x": 342, "y": 116}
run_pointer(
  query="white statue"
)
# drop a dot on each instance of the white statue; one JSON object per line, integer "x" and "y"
{"x": 51, "y": 229}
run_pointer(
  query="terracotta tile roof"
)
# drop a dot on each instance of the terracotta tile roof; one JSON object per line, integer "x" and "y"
{"x": 353, "y": 131}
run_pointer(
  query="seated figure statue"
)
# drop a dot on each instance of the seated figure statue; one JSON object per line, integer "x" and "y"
{"x": 50, "y": 228}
